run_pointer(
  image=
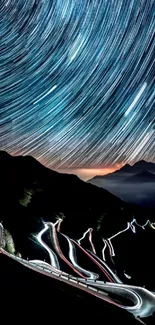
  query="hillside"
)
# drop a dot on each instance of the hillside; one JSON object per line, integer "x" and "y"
{"x": 143, "y": 177}
{"x": 36, "y": 297}
{"x": 30, "y": 191}
{"x": 133, "y": 184}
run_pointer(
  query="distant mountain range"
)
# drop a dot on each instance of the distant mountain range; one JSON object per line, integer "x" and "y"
{"x": 143, "y": 176}
{"x": 128, "y": 170}
{"x": 31, "y": 193}
{"x": 134, "y": 184}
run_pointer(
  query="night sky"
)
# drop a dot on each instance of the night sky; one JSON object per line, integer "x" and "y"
{"x": 77, "y": 86}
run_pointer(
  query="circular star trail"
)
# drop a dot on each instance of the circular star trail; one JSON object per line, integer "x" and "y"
{"x": 77, "y": 81}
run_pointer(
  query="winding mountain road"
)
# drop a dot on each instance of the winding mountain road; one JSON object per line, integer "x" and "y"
{"x": 113, "y": 291}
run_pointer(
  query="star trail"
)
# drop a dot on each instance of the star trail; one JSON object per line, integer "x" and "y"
{"x": 77, "y": 81}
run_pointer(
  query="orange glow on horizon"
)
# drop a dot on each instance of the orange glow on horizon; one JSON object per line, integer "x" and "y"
{"x": 83, "y": 173}
{"x": 87, "y": 173}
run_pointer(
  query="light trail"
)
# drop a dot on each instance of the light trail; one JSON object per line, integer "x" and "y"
{"x": 88, "y": 231}
{"x": 93, "y": 258}
{"x": 42, "y": 97}
{"x": 100, "y": 263}
{"x": 130, "y": 225}
{"x": 103, "y": 250}
{"x": 72, "y": 256}
{"x": 77, "y": 81}
{"x": 136, "y": 99}
{"x": 127, "y": 276}
{"x": 52, "y": 255}
{"x": 109, "y": 243}
{"x": 84, "y": 235}
{"x": 58, "y": 249}
{"x": 143, "y": 300}
{"x": 152, "y": 225}
{"x": 91, "y": 240}
{"x": 141, "y": 226}
{"x": 59, "y": 224}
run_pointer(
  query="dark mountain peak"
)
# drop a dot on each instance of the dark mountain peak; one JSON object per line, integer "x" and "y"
{"x": 27, "y": 169}
{"x": 142, "y": 176}
{"x": 4, "y": 155}
{"x": 5, "y": 160}
{"x": 145, "y": 172}
{"x": 95, "y": 177}
{"x": 141, "y": 163}
{"x": 125, "y": 168}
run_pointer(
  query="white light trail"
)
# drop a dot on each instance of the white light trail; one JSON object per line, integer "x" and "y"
{"x": 91, "y": 240}
{"x": 136, "y": 98}
{"x": 88, "y": 231}
{"x": 58, "y": 249}
{"x": 112, "y": 274}
{"x": 38, "y": 100}
{"x": 107, "y": 242}
{"x": 143, "y": 300}
{"x": 52, "y": 255}
{"x": 127, "y": 276}
{"x": 103, "y": 250}
{"x": 84, "y": 235}
{"x": 72, "y": 256}
{"x": 59, "y": 224}
{"x": 152, "y": 225}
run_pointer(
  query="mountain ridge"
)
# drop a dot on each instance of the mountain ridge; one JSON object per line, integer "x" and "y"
{"x": 38, "y": 192}
{"x": 143, "y": 176}
{"x": 133, "y": 184}
{"x": 127, "y": 168}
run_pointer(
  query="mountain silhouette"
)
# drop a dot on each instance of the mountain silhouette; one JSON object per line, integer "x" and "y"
{"x": 133, "y": 184}
{"x": 138, "y": 167}
{"x": 143, "y": 176}
{"x": 30, "y": 192}
{"x": 128, "y": 170}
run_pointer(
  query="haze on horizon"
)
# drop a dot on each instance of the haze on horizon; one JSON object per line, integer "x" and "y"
{"x": 88, "y": 173}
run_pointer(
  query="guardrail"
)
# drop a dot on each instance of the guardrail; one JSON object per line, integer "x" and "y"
{"x": 79, "y": 281}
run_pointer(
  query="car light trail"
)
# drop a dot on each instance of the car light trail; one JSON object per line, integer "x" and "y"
{"x": 142, "y": 299}
{"x": 52, "y": 255}
{"x": 58, "y": 249}
{"x": 130, "y": 225}
{"x": 91, "y": 240}
{"x": 84, "y": 235}
{"x": 72, "y": 256}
